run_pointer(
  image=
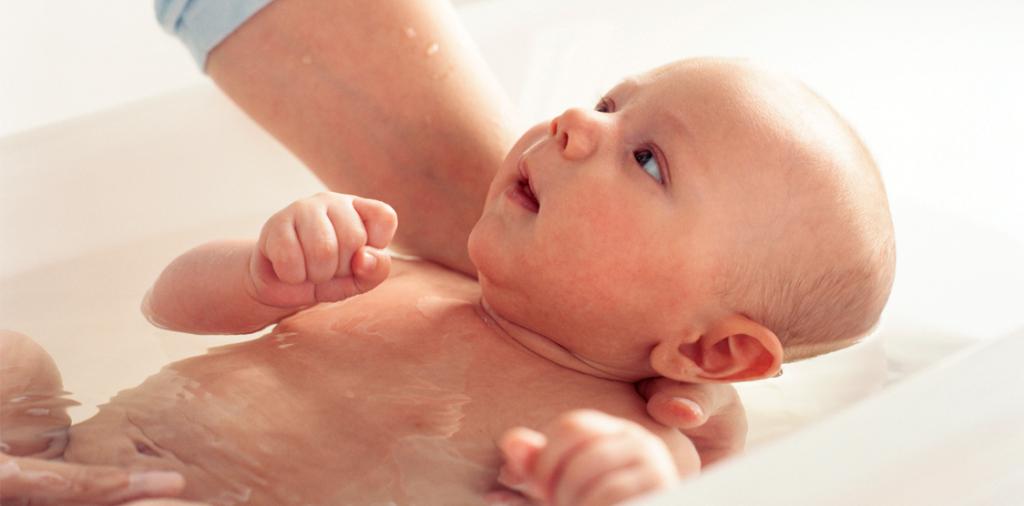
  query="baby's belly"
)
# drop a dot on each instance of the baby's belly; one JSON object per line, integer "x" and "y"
{"x": 288, "y": 420}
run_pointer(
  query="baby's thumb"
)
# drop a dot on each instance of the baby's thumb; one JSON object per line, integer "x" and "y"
{"x": 370, "y": 267}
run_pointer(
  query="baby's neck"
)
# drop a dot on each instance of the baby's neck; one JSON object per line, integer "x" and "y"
{"x": 546, "y": 348}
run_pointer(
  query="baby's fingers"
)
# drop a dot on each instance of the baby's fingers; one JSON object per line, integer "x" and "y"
{"x": 319, "y": 240}
{"x": 279, "y": 243}
{"x": 603, "y": 457}
{"x": 370, "y": 267}
{"x": 566, "y": 435}
{"x": 164, "y": 502}
{"x": 379, "y": 220}
{"x": 621, "y": 485}
{"x": 351, "y": 236}
{"x": 505, "y": 498}
{"x": 520, "y": 447}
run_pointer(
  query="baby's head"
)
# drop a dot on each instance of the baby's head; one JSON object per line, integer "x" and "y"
{"x": 707, "y": 221}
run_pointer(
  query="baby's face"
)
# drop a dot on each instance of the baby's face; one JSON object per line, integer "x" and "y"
{"x": 605, "y": 228}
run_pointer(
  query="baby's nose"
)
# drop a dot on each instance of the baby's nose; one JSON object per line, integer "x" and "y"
{"x": 576, "y": 133}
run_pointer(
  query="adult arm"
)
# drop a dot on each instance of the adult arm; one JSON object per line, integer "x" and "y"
{"x": 388, "y": 100}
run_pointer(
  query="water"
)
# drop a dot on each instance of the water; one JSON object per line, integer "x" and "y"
{"x": 84, "y": 312}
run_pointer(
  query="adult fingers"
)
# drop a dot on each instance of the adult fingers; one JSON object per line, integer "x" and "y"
{"x": 711, "y": 415}
{"x": 684, "y": 405}
{"x": 44, "y": 481}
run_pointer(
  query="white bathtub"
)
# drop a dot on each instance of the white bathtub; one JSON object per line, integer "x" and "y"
{"x": 92, "y": 208}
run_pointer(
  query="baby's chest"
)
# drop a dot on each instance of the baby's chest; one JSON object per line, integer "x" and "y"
{"x": 424, "y": 356}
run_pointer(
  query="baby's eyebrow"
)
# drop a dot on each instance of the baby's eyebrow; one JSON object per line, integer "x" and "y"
{"x": 677, "y": 123}
{"x": 686, "y": 152}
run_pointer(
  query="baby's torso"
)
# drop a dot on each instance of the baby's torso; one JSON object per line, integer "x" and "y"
{"x": 393, "y": 397}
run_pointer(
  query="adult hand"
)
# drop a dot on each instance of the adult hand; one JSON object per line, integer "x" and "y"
{"x": 26, "y": 480}
{"x": 710, "y": 414}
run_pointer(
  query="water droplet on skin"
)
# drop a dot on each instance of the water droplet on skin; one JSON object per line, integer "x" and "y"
{"x": 410, "y": 32}
{"x": 433, "y": 49}
{"x": 284, "y": 335}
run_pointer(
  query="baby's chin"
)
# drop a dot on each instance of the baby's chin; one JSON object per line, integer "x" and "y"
{"x": 473, "y": 244}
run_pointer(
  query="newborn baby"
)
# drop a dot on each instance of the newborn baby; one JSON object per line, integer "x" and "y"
{"x": 706, "y": 222}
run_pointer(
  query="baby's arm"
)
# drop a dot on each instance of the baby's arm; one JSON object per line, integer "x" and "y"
{"x": 589, "y": 458}
{"x": 320, "y": 249}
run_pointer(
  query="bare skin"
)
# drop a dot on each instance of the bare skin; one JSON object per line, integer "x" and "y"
{"x": 349, "y": 87}
{"x": 396, "y": 395}
{"x": 109, "y": 453}
{"x": 328, "y": 112}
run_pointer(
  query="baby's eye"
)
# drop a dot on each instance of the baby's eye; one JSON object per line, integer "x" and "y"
{"x": 605, "y": 105}
{"x": 649, "y": 163}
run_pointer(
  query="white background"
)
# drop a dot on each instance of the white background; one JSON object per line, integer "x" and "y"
{"x": 64, "y": 58}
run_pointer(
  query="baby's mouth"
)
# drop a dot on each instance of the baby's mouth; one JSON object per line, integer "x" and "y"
{"x": 523, "y": 191}
{"x": 524, "y": 186}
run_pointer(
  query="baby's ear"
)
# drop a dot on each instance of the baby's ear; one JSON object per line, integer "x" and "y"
{"x": 733, "y": 348}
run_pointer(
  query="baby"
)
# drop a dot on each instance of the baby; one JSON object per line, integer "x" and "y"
{"x": 706, "y": 222}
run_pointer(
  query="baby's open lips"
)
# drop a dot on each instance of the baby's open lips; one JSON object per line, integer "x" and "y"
{"x": 525, "y": 185}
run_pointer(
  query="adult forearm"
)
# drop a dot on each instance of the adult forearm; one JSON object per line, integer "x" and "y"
{"x": 207, "y": 290}
{"x": 388, "y": 100}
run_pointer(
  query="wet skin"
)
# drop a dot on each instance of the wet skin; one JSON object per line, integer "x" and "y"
{"x": 396, "y": 396}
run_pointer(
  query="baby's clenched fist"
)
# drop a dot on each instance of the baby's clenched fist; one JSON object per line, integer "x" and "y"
{"x": 584, "y": 458}
{"x": 322, "y": 248}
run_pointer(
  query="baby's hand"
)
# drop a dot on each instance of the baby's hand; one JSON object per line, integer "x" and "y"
{"x": 324, "y": 248}
{"x": 585, "y": 458}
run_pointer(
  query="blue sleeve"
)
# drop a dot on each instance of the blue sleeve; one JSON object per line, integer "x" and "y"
{"x": 202, "y": 24}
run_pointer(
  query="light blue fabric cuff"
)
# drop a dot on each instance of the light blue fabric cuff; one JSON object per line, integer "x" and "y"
{"x": 202, "y": 24}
